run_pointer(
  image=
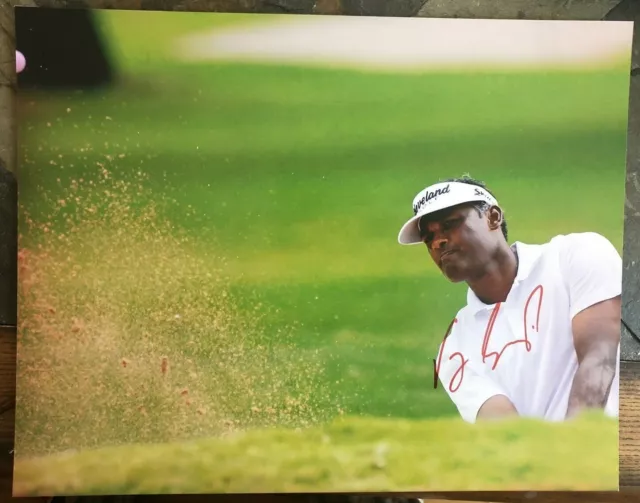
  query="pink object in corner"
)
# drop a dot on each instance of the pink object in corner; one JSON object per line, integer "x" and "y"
{"x": 21, "y": 62}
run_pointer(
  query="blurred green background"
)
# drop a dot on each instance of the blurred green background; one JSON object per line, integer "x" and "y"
{"x": 292, "y": 183}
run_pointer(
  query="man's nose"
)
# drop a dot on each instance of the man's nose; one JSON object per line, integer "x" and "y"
{"x": 439, "y": 242}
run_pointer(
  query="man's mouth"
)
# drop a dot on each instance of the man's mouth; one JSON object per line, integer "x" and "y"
{"x": 447, "y": 255}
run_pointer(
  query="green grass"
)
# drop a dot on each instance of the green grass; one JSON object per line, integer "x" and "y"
{"x": 350, "y": 455}
{"x": 240, "y": 222}
{"x": 120, "y": 32}
{"x": 300, "y": 180}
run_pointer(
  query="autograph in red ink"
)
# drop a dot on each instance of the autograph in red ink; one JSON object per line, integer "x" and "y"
{"x": 458, "y": 376}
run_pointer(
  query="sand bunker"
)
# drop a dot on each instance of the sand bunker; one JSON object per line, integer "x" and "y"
{"x": 410, "y": 44}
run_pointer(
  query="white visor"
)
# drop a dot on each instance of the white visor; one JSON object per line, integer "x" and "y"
{"x": 438, "y": 197}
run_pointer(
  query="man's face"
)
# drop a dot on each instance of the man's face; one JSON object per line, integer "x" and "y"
{"x": 461, "y": 241}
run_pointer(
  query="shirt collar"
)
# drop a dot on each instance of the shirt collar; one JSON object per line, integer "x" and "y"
{"x": 528, "y": 256}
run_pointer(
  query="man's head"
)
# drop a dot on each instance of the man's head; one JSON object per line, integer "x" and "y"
{"x": 461, "y": 224}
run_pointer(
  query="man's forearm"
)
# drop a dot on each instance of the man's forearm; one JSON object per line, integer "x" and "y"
{"x": 497, "y": 407}
{"x": 592, "y": 382}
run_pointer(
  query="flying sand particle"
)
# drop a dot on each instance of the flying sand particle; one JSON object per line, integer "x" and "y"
{"x": 132, "y": 272}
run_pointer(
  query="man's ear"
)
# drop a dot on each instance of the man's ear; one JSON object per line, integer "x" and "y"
{"x": 495, "y": 218}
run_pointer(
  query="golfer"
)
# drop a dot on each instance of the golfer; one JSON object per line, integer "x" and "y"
{"x": 539, "y": 335}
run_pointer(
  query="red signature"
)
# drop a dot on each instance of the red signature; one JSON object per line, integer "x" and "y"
{"x": 458, "y": 376}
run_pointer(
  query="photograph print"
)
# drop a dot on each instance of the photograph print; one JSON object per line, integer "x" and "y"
{"x": 266, "y": 253}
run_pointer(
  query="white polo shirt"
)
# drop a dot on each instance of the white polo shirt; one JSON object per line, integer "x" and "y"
{"x": 555, "y": 281}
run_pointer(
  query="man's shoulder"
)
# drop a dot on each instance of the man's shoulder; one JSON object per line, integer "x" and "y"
{"x": 579, "y": 239}
{"x": 577, "y": 242}
{"x": 580, "y": 252}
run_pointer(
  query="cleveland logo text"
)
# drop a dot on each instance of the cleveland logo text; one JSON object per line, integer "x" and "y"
{"x": 428, "y": 197}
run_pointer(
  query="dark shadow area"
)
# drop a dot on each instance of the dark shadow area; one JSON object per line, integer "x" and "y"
{"x": 8, "y": 246}
{"x": 63, "y": 49}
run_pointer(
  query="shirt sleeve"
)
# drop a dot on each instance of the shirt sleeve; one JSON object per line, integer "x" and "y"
{"x": 468, "y": 386}
{"x": 592, "y": 269}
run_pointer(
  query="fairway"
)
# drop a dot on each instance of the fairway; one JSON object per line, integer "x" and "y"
{"x": 209, "y": 253}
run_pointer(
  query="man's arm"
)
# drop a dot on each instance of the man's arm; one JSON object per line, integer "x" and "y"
{"x": 596, "y": 335}
{"x": 497, "y": 407}
{"x": 592, "y": 271}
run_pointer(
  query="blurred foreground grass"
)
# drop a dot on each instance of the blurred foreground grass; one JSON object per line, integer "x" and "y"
{"x": 359, "y": 455}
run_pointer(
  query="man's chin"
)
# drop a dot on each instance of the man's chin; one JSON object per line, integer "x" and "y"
{"x": 454, "y": 274}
